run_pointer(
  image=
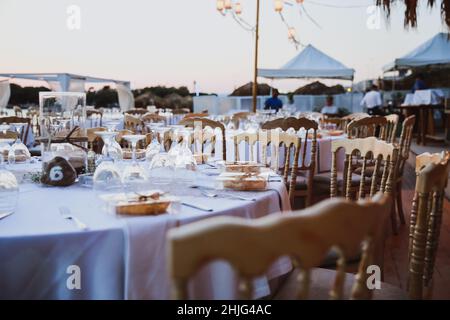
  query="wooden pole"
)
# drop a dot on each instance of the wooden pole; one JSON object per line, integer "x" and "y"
{"x": 255, "y": 71}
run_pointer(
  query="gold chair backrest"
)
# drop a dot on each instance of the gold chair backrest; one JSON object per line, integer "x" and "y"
{"x": 132, "y": 123}
{"x": 406, "y": 137}
{"x": 389, "y": 132}
{"x": 380, "y": 179}
{"x": 195, "y": 115}
{"x": 250, "y": 140}
{"x": 9, "y": 135}
{"x": 432, "y": 172}
{"x": 205, "y": 122}
{"x": 367, "y": 127}
{"x": 15, "y": 119}
{"x": 334, "y": 223}
{"x": 135, "y": 112}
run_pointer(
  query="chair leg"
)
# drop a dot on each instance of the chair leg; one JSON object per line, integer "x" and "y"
{"x": 398, "y": 199}
{"x": 394, "y": 221}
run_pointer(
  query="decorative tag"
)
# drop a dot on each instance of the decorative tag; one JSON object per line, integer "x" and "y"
{"x": 58, "y": 172}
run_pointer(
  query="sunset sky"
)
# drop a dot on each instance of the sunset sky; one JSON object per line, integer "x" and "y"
{"x": 174, "y": 42}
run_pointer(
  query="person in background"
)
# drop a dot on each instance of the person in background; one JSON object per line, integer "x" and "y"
{"x": 330, "y": 109}
{"x": 373, "y": 102}
{"x": 419, "y": 84}
{"x": 273, "y": 103}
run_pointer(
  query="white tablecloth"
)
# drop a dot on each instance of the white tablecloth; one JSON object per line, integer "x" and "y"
{"x": 119, "y": 257}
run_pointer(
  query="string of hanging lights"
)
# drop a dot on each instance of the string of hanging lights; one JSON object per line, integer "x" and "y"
{"x": 234, "y": 9}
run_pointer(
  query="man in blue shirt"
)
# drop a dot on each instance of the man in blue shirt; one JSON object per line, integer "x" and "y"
{"x": 419, "y": 84}
{"x": 273, "y": 103}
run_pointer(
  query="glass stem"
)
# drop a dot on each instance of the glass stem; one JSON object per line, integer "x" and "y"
{"x": 133, "y": 145}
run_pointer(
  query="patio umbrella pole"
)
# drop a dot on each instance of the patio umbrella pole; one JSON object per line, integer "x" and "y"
{"x": 255, "y": 74}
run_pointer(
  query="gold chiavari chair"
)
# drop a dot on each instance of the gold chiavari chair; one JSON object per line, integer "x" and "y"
{"x": 137, "y": 112}
{"x": 338, "y": 122}
{"x": 133, "y": 124}
{"x": 403, "y": 155}
{"x": 24, "y": 133}
{"x": 95, "y": 117}
{"x": 18, "y": 111}
{"x": 250, "y": 140}
{"x": 290, "y": 144}
{"x": 95, "y": 143}
{"x": 9, "y": 135}
{"x": 119, "y": 138}
{"x": 195, "y": 115}
{"x": 153, "y": 118}
{"x": 237, "y": 117}
{"x": 203, "y": 123}
{"x": 367, "y": 127}
{"x": 432, "y": 172}
{"x": 332, "y": 223}
{"x": 370, "y": 180}
{"x": 389, "y": 132}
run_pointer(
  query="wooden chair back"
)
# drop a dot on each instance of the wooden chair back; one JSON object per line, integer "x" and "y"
{"x": 426, "y": 218}
{"x": 367, "y": 127}
{"x": 152, "y": 118}
{"x": 203, "y": 123}
{"x": 133, "y": 124}
{"x": 380, "y": 178}
{"x": 18, "y": 111}
{"x": 306, "y": 236}
{"x": 237, "y": 117}
{"x": 250, "y": 140}
{"x": 9, "y": 135}
{"x": 195, "y": 115}
{"x": 119, "y": 138}
{"x": 137, "y": 112}
{"x": 338, "y": 122}
{"x": 405, "y": 143}
{"x": 202, "y": 138}
{"x": 13, "y": 119}
{"x": 389, "y": 132}
{"x": 95, "y": 117}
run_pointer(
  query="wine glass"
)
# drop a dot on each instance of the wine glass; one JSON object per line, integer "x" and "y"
{"x": 107, "y": 175}
{"x": 18, "y": 150}
{"x": 134, "y": 176}
{"x": 134, "y": 139}
{"x": 111, "y": 148}
{"x": 9, "y": 190}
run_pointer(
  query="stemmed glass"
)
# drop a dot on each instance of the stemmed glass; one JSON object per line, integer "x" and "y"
{"x": 107, "y": 176}
{"x": 9, "y": 190}
{"x": 134, "y": 176}
{"x": 18, "y": 149}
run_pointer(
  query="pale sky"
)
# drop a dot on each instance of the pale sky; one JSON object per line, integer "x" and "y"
{"x": 174, "y": 42}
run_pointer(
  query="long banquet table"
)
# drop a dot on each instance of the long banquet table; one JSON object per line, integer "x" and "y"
{"x": 119, "y": 258}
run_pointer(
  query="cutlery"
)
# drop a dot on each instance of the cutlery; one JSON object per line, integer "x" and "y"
{"x": 4, "y": 215}
{"x": 65, "y": 213}
{"x": 196, "y": 206}
{"x": 234, "y": 196}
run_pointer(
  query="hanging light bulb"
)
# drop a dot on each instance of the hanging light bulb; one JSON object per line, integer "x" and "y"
{"x": 291, "y": 33}
{"x": 278, "y": 5}
{"x": 220, "y": 5}
{"x": 238, "y": 8}
{"x": 228, "y": 4}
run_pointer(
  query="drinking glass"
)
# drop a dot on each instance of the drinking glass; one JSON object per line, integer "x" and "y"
{"x": 9, "y": 190}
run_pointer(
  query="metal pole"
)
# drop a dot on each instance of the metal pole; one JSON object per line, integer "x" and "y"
{"x": 255, "y": 74}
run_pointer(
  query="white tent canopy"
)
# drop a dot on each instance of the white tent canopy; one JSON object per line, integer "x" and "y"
{"x": 75, "y": 83}
{"x": 435, "y": 51}
{"x": 310, "y": 63}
